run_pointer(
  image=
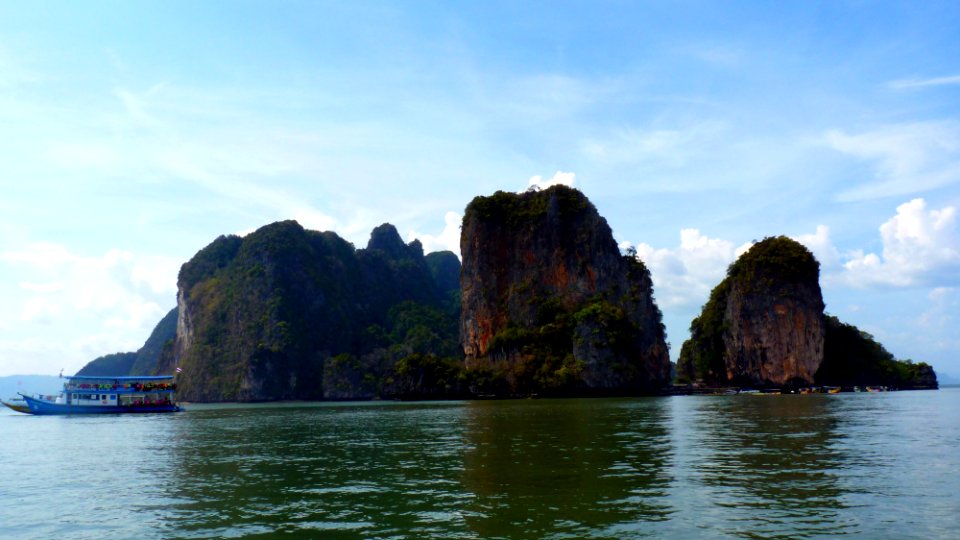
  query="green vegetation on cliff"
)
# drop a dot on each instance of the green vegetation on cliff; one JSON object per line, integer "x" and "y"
{"x": 287, "y": 313}
{"x": 853, "y": 358}
{"x": 775, "y": 260}
{"x": 116, "y": 364}
{"x": 702, "y": 356}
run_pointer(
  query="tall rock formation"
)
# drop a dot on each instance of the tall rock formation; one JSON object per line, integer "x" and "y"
{"x": 549, "y": 305}
{"x": 764, "y": 323}
{"x": 286, "y": 313}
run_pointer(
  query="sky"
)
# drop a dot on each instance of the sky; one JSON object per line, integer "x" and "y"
{"x": 135, "y": 133}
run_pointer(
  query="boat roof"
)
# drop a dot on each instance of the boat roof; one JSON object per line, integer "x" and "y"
{"x": 118, "y": 378}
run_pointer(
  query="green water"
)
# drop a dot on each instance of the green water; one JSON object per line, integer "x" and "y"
{"x": 863, "y": 465}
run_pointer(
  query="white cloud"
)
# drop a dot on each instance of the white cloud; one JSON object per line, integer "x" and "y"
{"x": 907, "y": 158}
{"x": 314, "y": 220}
{"x": 448, "y": 239}
{"x": 822, "y": 247}
{"x": 50, "y": 287}
{"x": 920, "y": 247}
{"x": 909, "y": 84}
{"x": 559, "y": 178}
{"x": 685, "y": 275}
{"x": 80, "y": 306}
{"x": 41, "y": 310}
{"x": 157, "y": 273}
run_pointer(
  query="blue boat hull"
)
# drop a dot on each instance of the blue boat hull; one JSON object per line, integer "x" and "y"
{"x": 37, "y": 406}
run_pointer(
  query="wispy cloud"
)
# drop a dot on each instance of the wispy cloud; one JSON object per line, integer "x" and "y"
{"x": 909, "y": 84}
{"x": 665, "y": 147}
{"x": 906, "y": 159}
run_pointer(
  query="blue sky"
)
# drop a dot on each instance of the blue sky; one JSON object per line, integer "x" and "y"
{"x": 134, "y": 133}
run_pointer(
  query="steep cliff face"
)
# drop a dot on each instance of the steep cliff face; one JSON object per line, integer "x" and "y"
{"x": 763, "y": 324}
{"x": 287, "y": 313}
{"x": 548, "y": 302}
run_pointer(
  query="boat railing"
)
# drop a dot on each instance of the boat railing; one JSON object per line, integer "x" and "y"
{"x": 128, "y": 387}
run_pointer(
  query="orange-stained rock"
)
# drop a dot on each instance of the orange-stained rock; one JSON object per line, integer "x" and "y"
{"x": 550, "y": 303}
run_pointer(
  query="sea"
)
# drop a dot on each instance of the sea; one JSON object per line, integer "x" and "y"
{"x": 858, "y": 465}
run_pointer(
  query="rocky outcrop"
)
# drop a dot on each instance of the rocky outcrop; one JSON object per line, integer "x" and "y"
{"x": 853, "y": 358}
{"x": 764, "y": 323}
{"x": 550, "y": 305}
{"x": 286, "y": 313}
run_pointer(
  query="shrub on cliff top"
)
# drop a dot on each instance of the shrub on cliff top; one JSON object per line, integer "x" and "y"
{"x": 776, "y": 257}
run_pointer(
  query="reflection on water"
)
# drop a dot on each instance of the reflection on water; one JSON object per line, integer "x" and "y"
{"x": 764, "y": 466}
{"x": 577, "y": 466}
{"x": 879, "y": 466}
{"x": 371, "y": 471}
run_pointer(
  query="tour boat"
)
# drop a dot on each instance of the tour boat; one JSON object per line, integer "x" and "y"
{"x": 108, "y": 395}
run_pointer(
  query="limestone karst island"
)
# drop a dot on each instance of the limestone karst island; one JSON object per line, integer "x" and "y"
{"x": 543, "y": 304}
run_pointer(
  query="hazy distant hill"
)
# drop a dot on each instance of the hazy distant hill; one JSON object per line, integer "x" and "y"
{"x": 29, "y": 384}
{"x": 109, "y": 365}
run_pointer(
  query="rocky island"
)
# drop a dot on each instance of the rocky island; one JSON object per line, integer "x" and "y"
{"x": 543, "y": 304}
{"x": 287, "y": 313}
{"x": 764, "y": 326}
{"x": 550, "y": 305}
